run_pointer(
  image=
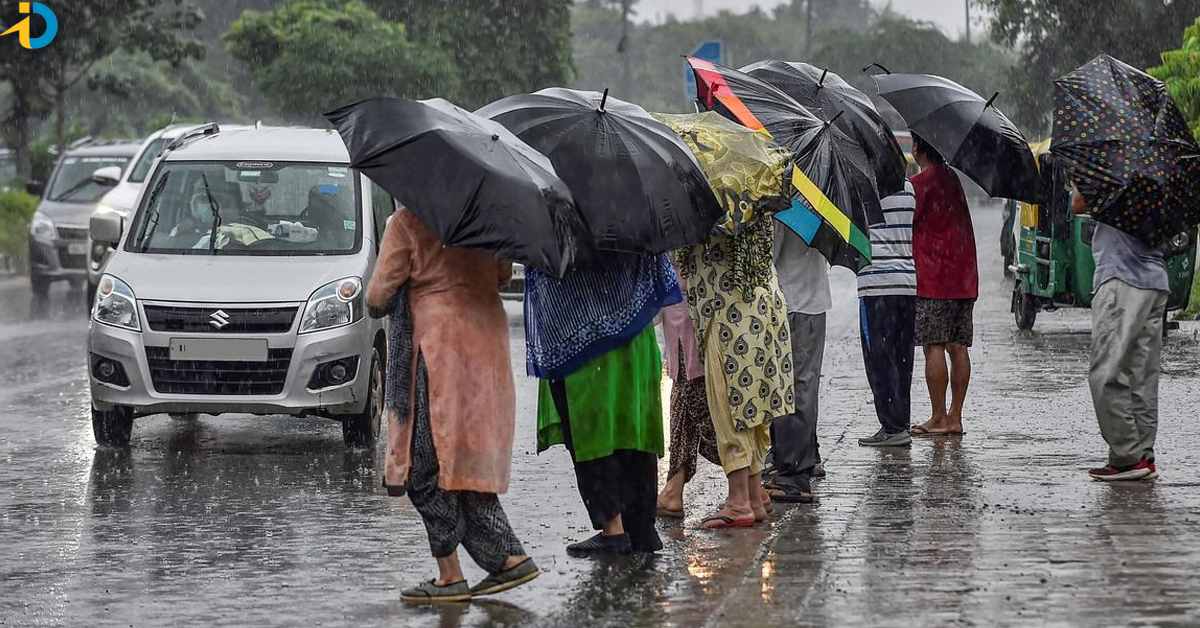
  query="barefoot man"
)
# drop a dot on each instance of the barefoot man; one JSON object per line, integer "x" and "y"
{"x": 947, "y": 286}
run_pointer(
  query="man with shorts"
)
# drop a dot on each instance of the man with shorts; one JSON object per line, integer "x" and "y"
{"x": 947, "y": 286}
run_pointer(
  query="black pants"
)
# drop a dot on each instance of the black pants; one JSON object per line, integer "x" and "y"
{"x": 886, "y": 326}
{"x": 624, "y": 483}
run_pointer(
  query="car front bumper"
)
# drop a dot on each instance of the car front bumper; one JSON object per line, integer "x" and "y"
{"x": 129, "y": 349}
{"x": 61, "y": 258}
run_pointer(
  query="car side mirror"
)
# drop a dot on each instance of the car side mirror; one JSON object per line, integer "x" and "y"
{"x": 106, "y": 228}
{"x": 35, "y": 187}
{"x": 107, "y": 176}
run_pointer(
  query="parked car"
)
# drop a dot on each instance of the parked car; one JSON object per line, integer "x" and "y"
{"x": 237, "y": 286}
{"x": 121, "y": 198}
{"x": 58, "y": 232}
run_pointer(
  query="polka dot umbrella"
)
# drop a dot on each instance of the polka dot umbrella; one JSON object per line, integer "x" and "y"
{"x": 1128, "y": 149}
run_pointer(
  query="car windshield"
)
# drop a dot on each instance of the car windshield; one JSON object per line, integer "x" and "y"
{"x": 73, "y": 179}
{"x": 145, "y": 160}
{"x": 249, "y": 208}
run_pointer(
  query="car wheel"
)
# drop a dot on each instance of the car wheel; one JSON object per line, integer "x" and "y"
{"x": 39, "y": 285}
{"x": 112, "y": 428}
{"x": 1025, "y": 309}
{"x": 362, "y": 430}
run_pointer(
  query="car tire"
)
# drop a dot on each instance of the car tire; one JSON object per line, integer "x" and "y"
{"x": 362, "y": 430}
{"x": 112, "y": 428}
{"x": 39, "y": 285}
{"x": 1025, "y": 309}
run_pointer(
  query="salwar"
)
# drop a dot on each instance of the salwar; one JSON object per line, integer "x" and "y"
{"x": 795, "y": 451}
{"x": 1125, "y": 366}
{"x": 452, "y": 518}
{"x": 737, "y": 449}
{"x": 691, "y": 426}
{"x": 886, "y": 330}
{"x": 623, "y": 483}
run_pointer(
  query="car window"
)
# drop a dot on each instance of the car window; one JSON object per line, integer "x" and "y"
{"x": 383, "y": 206}
{"x": 73, "y": 178}
{"x": 142, "y": 168}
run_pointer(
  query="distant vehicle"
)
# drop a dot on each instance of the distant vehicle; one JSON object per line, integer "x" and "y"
{"x": 58, "y": 232}
{"x": 1052, "y": 261}
{"x": 121, "y": 198}
{"x": 237, "y": 286}
{"x": 8, "y": 168}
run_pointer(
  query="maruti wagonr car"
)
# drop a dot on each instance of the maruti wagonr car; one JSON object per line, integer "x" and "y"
{"x": 237, "y": 286}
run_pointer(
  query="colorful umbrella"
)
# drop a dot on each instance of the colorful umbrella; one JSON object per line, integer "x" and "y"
{"x": 970, "y": 132}
{"x": 746, "y": 170}
{"x": 638, "y": 186}
{"x": 1129, "y": 149}
{"x": 469, "y": 179}
{"x": 830, "y": 97}
{"x": 836, "y": 196}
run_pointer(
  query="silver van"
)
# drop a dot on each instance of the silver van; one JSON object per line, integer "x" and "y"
{"x": 237, "y": 286}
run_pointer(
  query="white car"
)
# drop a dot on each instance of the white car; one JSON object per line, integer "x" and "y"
{"x": 237, "y": 286}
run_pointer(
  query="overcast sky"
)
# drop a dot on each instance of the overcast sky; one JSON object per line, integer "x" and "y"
{"x": 948, "y": 14}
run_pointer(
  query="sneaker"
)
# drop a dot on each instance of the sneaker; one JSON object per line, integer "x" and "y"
{"x": 1109, "y": 473}
{"x": 884, "y": 439}
{"x": 601, "y": 544}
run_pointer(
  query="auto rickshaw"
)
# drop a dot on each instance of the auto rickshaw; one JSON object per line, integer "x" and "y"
{"x": 1051, "y": 260}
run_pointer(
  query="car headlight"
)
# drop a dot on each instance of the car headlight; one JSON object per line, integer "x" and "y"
{"x": 115, "y": 304}
{"x": 41, "y": 227}
{"x": 333, "y": 305}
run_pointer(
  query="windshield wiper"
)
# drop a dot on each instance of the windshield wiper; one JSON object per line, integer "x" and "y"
{"x": 216, "y": 212}
{"x": 73, "y": 189}
{"x": 149, "y": 227}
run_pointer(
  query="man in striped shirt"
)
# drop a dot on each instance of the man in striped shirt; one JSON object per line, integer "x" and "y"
{"x": 887, "y": 291}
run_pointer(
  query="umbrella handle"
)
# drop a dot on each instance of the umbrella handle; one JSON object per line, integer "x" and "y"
{"x": 877, "y": 65}
{"x": 991, "y": 100}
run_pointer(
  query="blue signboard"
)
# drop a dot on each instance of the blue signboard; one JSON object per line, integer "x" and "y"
{"x": 709, "y": 51}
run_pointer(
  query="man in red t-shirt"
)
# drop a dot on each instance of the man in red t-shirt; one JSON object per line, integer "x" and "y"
{"x": 947, "y": 286}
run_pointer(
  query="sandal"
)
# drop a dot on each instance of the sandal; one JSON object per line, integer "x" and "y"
{"x": 725, "y": 521}
{"x": 514, "y": 576}
{"x": 430, "y": 592}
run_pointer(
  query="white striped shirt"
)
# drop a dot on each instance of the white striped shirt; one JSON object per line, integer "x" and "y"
{"x": 892, "y": 271}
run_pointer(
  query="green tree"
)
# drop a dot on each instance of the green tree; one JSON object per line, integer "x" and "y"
{"x": 90, "y": 30}
{"x": 1180, "y": 70}
{"x": 1056, "y": 36}
{"x": 498, "y": 48}
{"x": 308, "y": 56}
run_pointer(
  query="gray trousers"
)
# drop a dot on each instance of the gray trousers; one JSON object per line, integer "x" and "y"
{"x": 794, "y": 449}
{"x": 1126, "y": 360}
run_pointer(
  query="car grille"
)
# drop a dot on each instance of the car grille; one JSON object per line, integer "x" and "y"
{"x": 187, "y": 377}
{"x": 72, "y": 261}
{"x": 72, "y": 233}
{"x": 272, "y": 320}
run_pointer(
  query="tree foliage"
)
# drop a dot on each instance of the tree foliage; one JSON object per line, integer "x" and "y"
{"x": 308, "y": 56}
{"x": 1180, "y": 70}
{"x": 1056, "y": 36}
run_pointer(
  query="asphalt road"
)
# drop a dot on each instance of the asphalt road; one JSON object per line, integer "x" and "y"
{"x": 238, "y": 520}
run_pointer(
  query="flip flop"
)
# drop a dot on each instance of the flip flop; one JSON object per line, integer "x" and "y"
{"x": 667, "y": 513}
{"x": 725, "y": 521}
{"x": 918, "y": 430}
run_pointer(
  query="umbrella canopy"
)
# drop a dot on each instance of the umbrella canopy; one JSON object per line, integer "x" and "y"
{"x": 830, "y": 97}
{"x": 970, "y": 132}
{"x": 469, "y": 179}
{"x": 837, "y": 198}
{"x": 1129, "y": 149}
{"x": 638, "y": 186}
{"x": 746, "y": 170}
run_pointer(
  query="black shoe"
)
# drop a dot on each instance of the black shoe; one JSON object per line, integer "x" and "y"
{"x": 819, "y": 470}
{"x": 601, "y": 544}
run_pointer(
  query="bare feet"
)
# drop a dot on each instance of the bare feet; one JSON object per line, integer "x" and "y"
{"x": 943, "y": 424}
{"x": 670, "y": 499}
{"x": 760, "y": 503}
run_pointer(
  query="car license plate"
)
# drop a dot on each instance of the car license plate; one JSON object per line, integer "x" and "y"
{"x": 219, "y": 349}
{"x": 77, "y": 248}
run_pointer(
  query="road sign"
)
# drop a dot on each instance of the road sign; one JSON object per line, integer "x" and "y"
{"x": 711, "y": 50}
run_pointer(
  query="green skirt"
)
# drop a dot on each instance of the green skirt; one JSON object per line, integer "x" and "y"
{"x": 614, "y": 401}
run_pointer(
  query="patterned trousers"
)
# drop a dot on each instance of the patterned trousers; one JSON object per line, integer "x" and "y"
{"x": 452, "y": 518}
{"x": 691, "y": 426}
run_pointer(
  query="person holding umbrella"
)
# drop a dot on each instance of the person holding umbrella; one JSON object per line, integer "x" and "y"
{"x": 947, "y": 286}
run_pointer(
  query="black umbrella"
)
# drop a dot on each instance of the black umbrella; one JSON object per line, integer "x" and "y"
{"x": 970, "y": 132}
{"x": 469, "y": 179}
{"x": 638, "y": 186}
{"x": 829, "y": 96}
{"x": 833, "y": 174}
{"x": 1128, "y": 148}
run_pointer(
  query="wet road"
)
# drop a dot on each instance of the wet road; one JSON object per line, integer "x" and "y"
{"x": 270, "y": 521}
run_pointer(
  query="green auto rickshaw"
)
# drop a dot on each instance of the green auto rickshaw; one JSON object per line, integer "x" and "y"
{"x": 1051, "y": 260}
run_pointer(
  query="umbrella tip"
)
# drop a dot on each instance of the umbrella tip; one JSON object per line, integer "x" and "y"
{"x": 495, "y": 137}
{"x": 991, "y": 100}
{"x": 603, "y": 99}
{"x": 821, "y": 83}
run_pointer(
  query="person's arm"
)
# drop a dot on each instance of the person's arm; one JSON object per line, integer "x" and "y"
{"x": 393, "y": 267}
{"x": 1078, "y": 203}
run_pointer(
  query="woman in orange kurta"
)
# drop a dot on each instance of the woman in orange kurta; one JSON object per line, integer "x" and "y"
{"x": 451, "y": 449}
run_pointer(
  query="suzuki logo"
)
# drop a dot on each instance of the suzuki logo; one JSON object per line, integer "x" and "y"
{"x": 218, "y": 319}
